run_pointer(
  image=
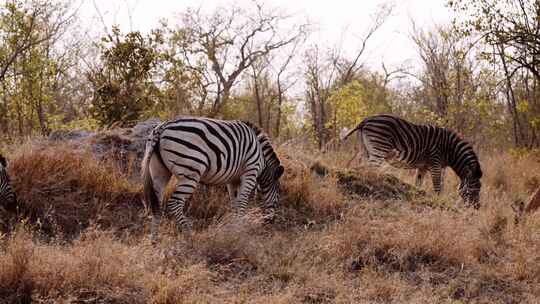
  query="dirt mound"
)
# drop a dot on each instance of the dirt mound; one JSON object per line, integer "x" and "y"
{"x": 62, "y": 190}
{"x": 367, "y": 183}
{"x": 124, "y": 146}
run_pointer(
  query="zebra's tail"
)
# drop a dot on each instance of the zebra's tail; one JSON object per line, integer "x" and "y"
{"x": 349, "y": 133}
{"x": 150, "y": 196}
{"x": 151, "y": 200}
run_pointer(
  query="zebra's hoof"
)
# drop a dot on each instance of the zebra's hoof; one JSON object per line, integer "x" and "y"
{"x": 269, "y": 219}
{"x": 186, "y": 227}
{"x": 154, "y": 240}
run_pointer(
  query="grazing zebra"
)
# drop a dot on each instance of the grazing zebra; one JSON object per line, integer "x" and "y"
{"x": 7, "y": 196}
{"x": 424, "y": 147}
{"x": 212, "y": 152}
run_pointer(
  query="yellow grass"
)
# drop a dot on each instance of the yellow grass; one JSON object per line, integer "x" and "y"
{"x": 328, "y": 245}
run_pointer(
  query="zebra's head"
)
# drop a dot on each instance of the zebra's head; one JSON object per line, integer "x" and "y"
{"x": 268, "y": 180}
{"x": 270, "y": 187}
{"x": 469, "y": 188}
{"x": 7, "y": 197}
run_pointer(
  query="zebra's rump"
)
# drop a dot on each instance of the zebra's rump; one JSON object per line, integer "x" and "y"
{"x": 407, "y": 145}
{"x": 7, "y": 196}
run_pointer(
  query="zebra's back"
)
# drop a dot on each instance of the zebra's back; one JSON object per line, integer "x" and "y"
{"x": 214, "y": 149}
{"x": 415, "y": 144}
{"x": 425, "y": 147}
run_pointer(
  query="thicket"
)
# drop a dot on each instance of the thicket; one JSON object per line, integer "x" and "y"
{"x": 258, "y": 63}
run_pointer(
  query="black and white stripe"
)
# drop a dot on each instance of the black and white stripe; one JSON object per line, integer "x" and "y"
{"x": 424, "y": 147}
{"x": 7, "y": 196}
{"x": 213, "y": 152}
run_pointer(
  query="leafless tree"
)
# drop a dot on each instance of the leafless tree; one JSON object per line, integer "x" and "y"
{"x": 331, "y": 70}
{"x": 222, "y": 45}
{"x": 348, "y": 67}
{"x": 284, "y": 82}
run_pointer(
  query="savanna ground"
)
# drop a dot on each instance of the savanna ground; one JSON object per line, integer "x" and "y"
{"x": 80, "y": 235}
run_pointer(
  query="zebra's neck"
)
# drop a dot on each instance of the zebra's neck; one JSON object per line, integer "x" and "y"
{"x": 269, "y": 156}
{"x": 464, "y": 159}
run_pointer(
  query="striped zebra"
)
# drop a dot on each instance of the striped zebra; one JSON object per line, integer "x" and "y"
{"x": 212, "y": 152}
{"x": 423, "y": 147}
{"x": 7, "y": 196}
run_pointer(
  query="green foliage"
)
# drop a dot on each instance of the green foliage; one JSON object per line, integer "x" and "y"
{"x": 123, "y": 86}
{"x": 524, "y": 153}
{"x": 509, "y": 28}
{"x": 32, "y": 68}
{"x": 356, "y": 100}
{"x": 349, "y": 104}
{"x": 57, "y": 123}
{"x": 241, "y": 106}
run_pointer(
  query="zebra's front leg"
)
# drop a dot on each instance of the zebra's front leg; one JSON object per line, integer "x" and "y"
{"x": 176, "y": 203}
{"x": 420, "y": 173}
{"x": 443, "y": 175}
{"x": 248, "y": 182}
{"x": 436, "y": 177}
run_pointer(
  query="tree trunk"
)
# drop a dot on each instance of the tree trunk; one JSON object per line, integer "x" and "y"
{"x": 258, "y": 101}
{"x": 39, "y": 103}
{"x": 4, "y": 113}
{"x": 280, "y": 102}
{"x": 511, "y": 101}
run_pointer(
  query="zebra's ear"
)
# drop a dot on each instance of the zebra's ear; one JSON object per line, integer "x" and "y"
{"x": 279, "y": 172}
{"x": 478, "y": 173}
{"x": 467, "y": 173}
{"x": 3, "y": 161}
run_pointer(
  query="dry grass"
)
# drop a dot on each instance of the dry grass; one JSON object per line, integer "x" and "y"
{"x": 330, "y": 244}
{"x": 63, "y": 190}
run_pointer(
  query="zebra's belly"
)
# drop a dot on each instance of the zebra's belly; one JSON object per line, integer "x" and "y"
{"x": 398, "y": 161}
{"x": 401, "y": 164}
{"x": 220, "y": 178}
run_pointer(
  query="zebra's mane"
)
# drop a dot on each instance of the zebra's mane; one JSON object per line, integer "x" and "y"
{"x": 3, "y": 161}
{"x": 264, "y": 140}
{"x": 477, "y": 170}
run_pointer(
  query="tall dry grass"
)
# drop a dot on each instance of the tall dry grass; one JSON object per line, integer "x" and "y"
{"x": 63, "y": 190}
{"x": 328, "y": 245}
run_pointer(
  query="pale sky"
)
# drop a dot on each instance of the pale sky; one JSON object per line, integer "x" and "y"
{"x": 390, "y": 44}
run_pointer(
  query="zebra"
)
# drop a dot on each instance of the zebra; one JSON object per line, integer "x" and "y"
{"x": 200, "y": 150}
{"x": 7, "y": 196}
{"x": 402, "y": 144}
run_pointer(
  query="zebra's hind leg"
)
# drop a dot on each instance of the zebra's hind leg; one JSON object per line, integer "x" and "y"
{"x": 185, "y": 187}
{"x": 232, "y": 188}
{"x": 420, "y": 173}
{"x": 374, "y": 155}
{"x": 350, "y": 161}
{"x": 435, "y": 170}
{"x": 160, "y": 176}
